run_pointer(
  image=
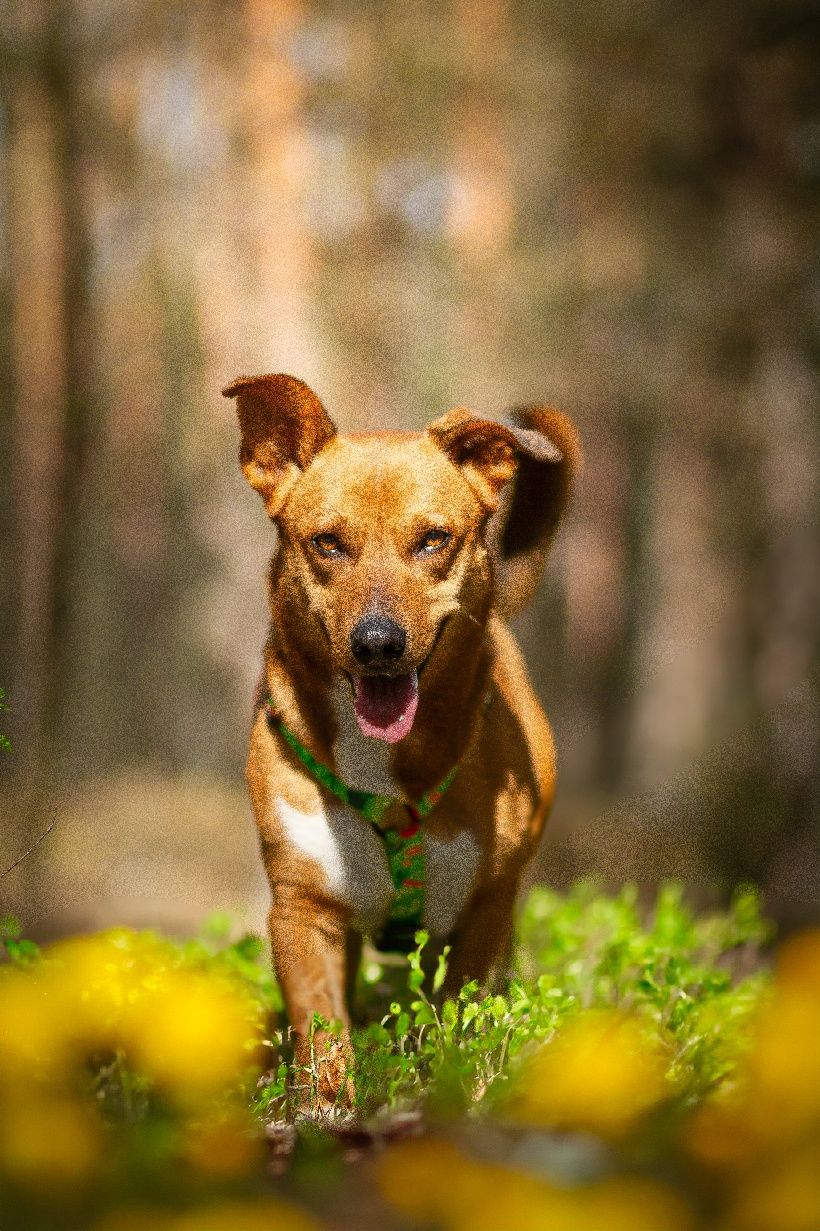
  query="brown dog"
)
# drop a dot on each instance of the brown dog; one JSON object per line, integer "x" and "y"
{"x": 400, "y": 765}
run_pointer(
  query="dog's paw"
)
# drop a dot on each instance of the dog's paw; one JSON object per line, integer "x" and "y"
{"x": 324, "y": 1088}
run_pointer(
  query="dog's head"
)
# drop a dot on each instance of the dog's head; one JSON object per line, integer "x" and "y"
{"x": 384, "y": 538}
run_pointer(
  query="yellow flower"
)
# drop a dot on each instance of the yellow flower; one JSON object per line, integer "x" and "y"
{"x": 775, "y": 1104}
{"x": 230, "y": 1216}
{"x": 630, "y": 1204}
{"x": 261, "y": 1216}
{"x": 782, "y": 1197}
{"x": 225, "y": 1144}
{"x": 49, "y": 1141}
{"x": 600, "y": 1074}
{"x": 72, "y": 1003}
{"x": 191, "y": 1034}
{"x": 511, "y": 1201}
{"x": 720, "y": 1133}
{"x": 33, "y": 1039}
{"x": 432, "y": 1181}
{"x": 91, "y": 980}
{"x": 426, "y": 1178}
{"x": 798, "y": 962}
{"x": 784, "y": 1067}
{"x": 85, "y": 974}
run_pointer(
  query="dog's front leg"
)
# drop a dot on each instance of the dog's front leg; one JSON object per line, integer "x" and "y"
{"x": 482, "y": 942}
{"x": 309, "y": 939}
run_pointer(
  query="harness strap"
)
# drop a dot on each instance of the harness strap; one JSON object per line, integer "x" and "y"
{"x": 404, "y": 847}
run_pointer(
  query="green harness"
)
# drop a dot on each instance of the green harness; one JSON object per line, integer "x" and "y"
{"x": 404, "y": 847}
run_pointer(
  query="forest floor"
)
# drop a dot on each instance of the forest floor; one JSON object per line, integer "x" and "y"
{"x": 644, "y": 1071}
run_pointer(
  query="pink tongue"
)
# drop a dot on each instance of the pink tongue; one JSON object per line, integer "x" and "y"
{"x": 386, "y": 705}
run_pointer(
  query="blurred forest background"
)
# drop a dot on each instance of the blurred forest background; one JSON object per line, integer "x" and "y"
{"x": 610, "y": 207}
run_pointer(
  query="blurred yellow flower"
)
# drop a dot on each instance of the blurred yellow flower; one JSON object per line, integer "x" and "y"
{"x": 191, "y": 1035}
{"x": 798, "y": 962}
{"x": 424, "y": 1178}
{"x": 631, "y": 1204}
{"x": 774, "y": 1105}
{"x": 134, "y": 1220}
{"x": 512, "y": 1201}
{"x": 72, "y": 1003}
{"x": 433, "y": 1181}
{"x": 261, "y": 1216}
{"x": 230, "y": 1216}
{"x": 33, "y": 1038}
{"x": 781, "y": 1197}
{"x": 227, "y": 1143}
{"x": 99, "y": 976}
{"x": 784, "y": 1066}
{"x": 49, "y": 1141}
{"x": 720, "y": 1134}
{"x": 601, "y": 1072}
{"x": 121, "y": 991}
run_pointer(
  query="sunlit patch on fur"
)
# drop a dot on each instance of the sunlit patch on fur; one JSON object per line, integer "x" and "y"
{"x": 452, "y": 866}
{"x": 349, "y": 853}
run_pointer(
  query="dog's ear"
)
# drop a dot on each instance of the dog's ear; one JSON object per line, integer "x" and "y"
{"x": 536, "y": 446}
{"x": 488, "y": 453}
{"x": 283, "y": 426}
{"x": 485, "y": 452}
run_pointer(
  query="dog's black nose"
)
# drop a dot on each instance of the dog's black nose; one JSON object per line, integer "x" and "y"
{"x": 377, "y": 641}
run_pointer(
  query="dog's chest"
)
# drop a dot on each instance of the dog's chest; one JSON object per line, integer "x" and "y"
{"x": 352, "y": 861}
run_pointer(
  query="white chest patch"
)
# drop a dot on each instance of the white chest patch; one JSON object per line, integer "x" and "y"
{"x": 353, "y": 860}
{"x": 451, "y": 868}
{"x": 349, "y": 853}
{"x": 361, "y": 762}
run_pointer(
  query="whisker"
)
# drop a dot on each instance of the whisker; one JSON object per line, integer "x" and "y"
{"x": 469, "y": 615}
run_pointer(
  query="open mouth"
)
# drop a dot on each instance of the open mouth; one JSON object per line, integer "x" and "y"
{"x": 386, "y": 705}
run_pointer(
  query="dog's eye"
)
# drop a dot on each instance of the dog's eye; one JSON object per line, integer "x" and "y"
{"x": 432, "y": 541}
{"x": 327, "y": 545}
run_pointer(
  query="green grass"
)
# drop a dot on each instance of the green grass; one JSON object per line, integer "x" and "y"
{"x": 581, "y": 950}
{"x": 577, "y": 951}
{"x": 692, "y": 981}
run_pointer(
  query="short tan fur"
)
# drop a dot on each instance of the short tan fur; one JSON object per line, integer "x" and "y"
{"x": 439, "y": 535}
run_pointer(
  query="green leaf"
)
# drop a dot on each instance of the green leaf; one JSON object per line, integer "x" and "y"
{"x": 424, "y": 1014}
{"x": 468, "y": 1014}
{"x": 441, "y": 969}
{"x": 415, "y": 980}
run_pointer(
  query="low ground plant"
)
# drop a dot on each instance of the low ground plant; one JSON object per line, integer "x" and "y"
{"x": 643, "y": 1069}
